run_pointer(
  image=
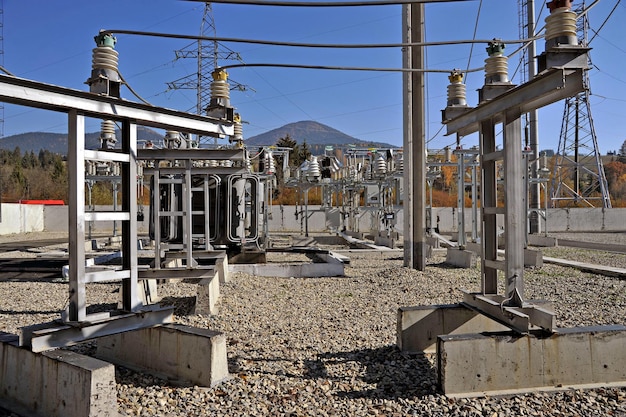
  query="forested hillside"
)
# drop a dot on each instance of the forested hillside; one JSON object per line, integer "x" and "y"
{"x": 43, "y": 175}
{"x": 32, "y": 176}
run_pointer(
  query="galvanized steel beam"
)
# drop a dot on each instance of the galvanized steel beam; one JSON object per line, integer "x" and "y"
{"x": 550, "y": 87}
{"x": 51, "y": 97}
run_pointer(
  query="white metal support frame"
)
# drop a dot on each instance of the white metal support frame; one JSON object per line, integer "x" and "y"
{"x": 76, "y": 171}
{"x": 550, "y": 86}
{"x": 78, "y": 325}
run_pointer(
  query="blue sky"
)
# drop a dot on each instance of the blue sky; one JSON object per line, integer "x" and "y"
{"x": 52, "y": 41}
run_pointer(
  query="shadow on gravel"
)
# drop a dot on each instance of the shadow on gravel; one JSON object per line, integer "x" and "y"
{"x": 28, "y": 312}
{"x": 183, "y": 306}
{"x": 446, "y": 265}
{"x": 394, "y": 374}
{"x": 31, "y": 270}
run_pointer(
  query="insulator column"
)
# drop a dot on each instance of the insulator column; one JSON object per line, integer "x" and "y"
{"x": 380, "y": 166}
{"x": 456, "y": 89}
{"x": 172, "y": 139}
{"x": 105, "y": 78}
{"x": 219, "y": 105}
{"x": 496, "y": 66}
{"x": 237, "y": 137}
{"x": 561, "y": 24}
{"x": 313, "y": 172}
{"x": 107, "y": 134}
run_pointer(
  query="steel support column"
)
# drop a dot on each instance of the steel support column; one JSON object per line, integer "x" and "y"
{"x": 76, "y": 206}
{"x": 130, "y": 294}
{"x": 489, "y": 199}
{"x": 414, "y": 141}
{"x": 514, "y": 207}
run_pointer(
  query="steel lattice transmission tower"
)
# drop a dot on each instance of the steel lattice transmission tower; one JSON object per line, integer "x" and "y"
{"x": 208, "y": 54}
{"x": 2, "y": 63}
{"x": 578, "y": 174}
{"x": 529, "y": 120}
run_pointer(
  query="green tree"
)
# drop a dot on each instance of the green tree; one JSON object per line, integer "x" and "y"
{"x": 288, "y": 142}
{"x": 622, "y": 153}
{"x": 304, "y": 152}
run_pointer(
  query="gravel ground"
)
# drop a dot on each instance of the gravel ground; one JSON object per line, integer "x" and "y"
{"x": 326, "y": 346}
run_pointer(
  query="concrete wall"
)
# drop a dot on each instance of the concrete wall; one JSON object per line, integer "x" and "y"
{"x": 558, "y": 220}
{"x": 284, "y": 219}
{"x": 55, "y": 219}
{"x": 22, "y": 218}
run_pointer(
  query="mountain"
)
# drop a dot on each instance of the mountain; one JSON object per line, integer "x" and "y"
{"x": 57, "y": 142}
{"x": 317, "y": 136}
{"x": 313, "y": 133}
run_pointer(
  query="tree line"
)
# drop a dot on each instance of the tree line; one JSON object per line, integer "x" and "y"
{"x": 40, "y": 176}
{"x": 33, "y": 176}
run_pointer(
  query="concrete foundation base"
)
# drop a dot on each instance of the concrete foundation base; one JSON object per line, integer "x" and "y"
{"x": 506, "y": 363}
{"x": 207, "y": 294}
{"x": 539, "y": 240}
{"x": 55, "y": 383}
{"x": 533, "y": 258}
{"x": 461, "y": 258}
{"x": 332, "y": 267}
{"x": 418, "y": 327}
{"x": 432, "y": 242}
{"x": 356, "y": 235}
{"x": 385, "y": 241}
{"x": 478, "y": 356}
{"x": 178, "y": 353}
{"x": 474, "y": 247}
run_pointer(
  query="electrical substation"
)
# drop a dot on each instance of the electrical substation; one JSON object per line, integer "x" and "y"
{"x": 211, "y": 206}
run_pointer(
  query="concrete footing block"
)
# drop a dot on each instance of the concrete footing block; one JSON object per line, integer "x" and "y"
{"x": 533, "y": 258}
{"x": 461, "y": 258}
{"x": 507, "y": 363}
{"x": 539, "y": 240}
{"x": 385, "y": 241}
{"x": 55, "y": 383}
{"x": 475, "y": 247}
{"x": 418, "y": 327}
{"x": 221, "y": 267}
{"x": 207, "y": 294}
{"x": 432, "y": 242}
{"x": 178, "y": 353}
{"x": 286, "y": 270}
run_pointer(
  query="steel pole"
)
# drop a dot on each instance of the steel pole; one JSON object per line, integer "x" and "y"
{"x": 414, "y": 141}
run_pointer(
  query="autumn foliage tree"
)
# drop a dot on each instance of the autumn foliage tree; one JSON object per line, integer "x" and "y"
{"x": 30, "y": 176}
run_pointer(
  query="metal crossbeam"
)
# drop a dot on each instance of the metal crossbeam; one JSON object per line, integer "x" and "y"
{"x": 194, "y": 154}
{"x": 547, "y": 88}
{"x": 51, "y": 97}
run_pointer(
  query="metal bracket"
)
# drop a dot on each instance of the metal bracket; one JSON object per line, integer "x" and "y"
{"x": 532, "y": 316}
{"x": 46, "y": 336}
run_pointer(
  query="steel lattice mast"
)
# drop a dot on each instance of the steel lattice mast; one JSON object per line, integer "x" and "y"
{"x": 578, "y": 173}
{"x": 2, "y": 63}
{"x": 208, "y": 54}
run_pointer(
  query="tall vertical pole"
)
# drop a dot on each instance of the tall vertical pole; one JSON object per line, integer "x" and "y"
{"x": 76, "y": 171}
{"x": 414, "y": 140}
{"x": 514, "y": 208}
{"x": 460, "y": 199}
{"x": 131, "y": 298}
{"x": 535, "y": 191}
{"x": 489, "y": 203}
